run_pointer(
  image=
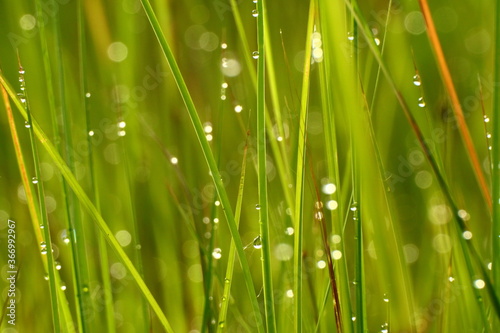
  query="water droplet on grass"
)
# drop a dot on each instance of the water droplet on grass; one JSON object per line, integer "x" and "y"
{"x": 34, "y": 180}
{"x": 257, "y": 207}
{"x": 88, "y": 95}
{"x": 416, "y": 80}
{"x": 238, "y": 108}
{"x": 255, "y": 13}
{"x": 257, "y": 243}
{"x": 350, "y": 36}
{"x": 486, "y": 119}
{"x": 217, "y": 253}
{"x": 421, "y": 102}
{"x": 27, "y": 124}
{"x": 255, "y": 54}
{"x": 58, "y": 265}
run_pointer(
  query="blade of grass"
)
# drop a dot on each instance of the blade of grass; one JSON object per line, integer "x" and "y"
{"x": 455, "y": 102}
{"x": 209, "y": 157}
{"x": 300, "y": 169}
{"x": 228, "y": 280}
{"x": 87, "y": 203}
{"x": 101, "y": 242}
{"x": 262, "y": 171}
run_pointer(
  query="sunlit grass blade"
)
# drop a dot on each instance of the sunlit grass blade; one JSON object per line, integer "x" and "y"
{"x": 89, "y": 206}
{"x": 455, "y": 102}
{"x": 300, "y": 177}
{"x": 209, "y": 157}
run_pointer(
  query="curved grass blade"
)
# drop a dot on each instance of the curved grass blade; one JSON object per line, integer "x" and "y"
{"x": 209, "y": 157}
{"x": 87, "y": 203}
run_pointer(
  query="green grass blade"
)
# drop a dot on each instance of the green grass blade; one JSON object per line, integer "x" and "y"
{"x": 198, "y": 127}
{"x": 300, "y": 179}
{"x": 262, "y": 171}
{"x": 101, "y": 242}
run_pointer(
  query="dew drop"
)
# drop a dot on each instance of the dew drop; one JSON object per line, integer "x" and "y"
{"x": 34, "y": 180}
{"x": 238, "y": 108}
{"x": 289, "y": 231}
{"x": 488, "y": 135}
{"x": 58, "y": 265}
{"x": 91, "y": 133}
{"x": 386, "y": 298}
{"x": 255, "y": 54}
{"x": 63, "y": 286}
{"x": 416, "y": 80}
{"x": 222, "y": 324}
{"x": 41, "y": 226}
{"x": 257, "y": 243}
{"x": 88, "y": 95}
{"x": 451, "y": 279}
{"x": 226, "y": 280}
{"x": 467, "y": 235}
{"x": 66, "y": 240}
{"x": 255, "y": 13}
{"x": 21, "y": 71}
{"x": 27, "y": 124}
{"x": 479, "y": 284}
{"x": 486, "y": 119}
{"x": 174, "y": 160}
{"x": 353, "y": 318}
{"x": 377, "y": 41}
{"x": 217, "y": 253}
{"x": 354, "y": 206}
{"x": 318, "y": 215}
{"x": 85, "y": 289}
{"x": 254, "y": 1}
{"x": 421, "y": 102}
{"x": 350, "y": 36}
{"x": 46, "y": 277}
{"x": 257, "y": 207}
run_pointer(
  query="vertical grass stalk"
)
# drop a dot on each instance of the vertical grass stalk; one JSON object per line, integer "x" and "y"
{"x": 300, "y": 169}
{"x": 262, "y": 171}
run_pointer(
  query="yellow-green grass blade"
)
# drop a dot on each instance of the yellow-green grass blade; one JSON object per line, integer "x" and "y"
{"x": 300, "y": 177}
